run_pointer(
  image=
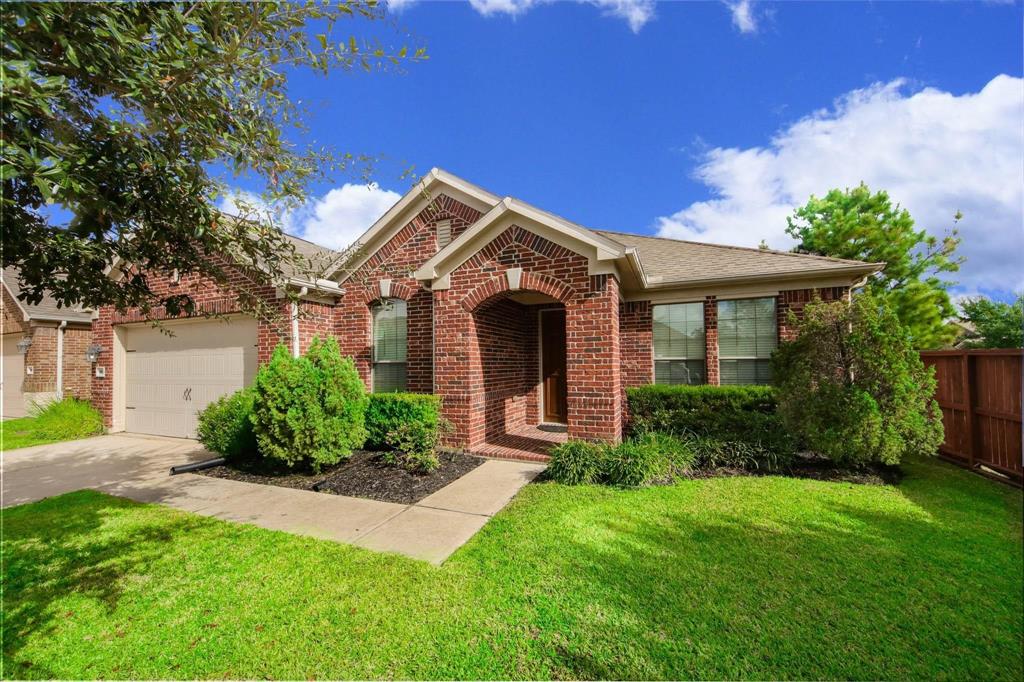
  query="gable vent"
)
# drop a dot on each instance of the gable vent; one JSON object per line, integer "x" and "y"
{"x": 444, "y": 233}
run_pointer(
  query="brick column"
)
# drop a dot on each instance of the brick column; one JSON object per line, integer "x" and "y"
{"x": 458, "y": 377}
{"x": 593, "y": 362}
{"x": 711, "y": 340}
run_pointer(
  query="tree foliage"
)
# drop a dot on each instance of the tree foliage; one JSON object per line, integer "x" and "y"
{"x": 132, "y": 117}
{"x": 852, "y": 387}
{"x": 996, "y": 324}
{"x": 309, "y": 411}
{"x": 861, "y": 225}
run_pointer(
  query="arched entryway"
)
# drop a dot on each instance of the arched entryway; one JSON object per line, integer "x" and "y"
{"x": 520, "y": 340}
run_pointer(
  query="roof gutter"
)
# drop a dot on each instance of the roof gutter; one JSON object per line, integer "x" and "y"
{"x": 865, "y": 270}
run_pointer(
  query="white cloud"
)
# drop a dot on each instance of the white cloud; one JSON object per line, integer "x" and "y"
{"x": 743, "y": 15}
{"x": 636, "y": 13}
{"x": 334, "y": 220}
{"x": 933, "y": 151}
{"x": 341, "y": 216}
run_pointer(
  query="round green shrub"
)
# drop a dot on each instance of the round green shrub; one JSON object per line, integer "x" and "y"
{"x": 387, "y": 412}
{"x": 852, "y": 386}
{"x": 309, "y": 411}
{"x": 225, "y": 426}
{"x": 576, "y": 462}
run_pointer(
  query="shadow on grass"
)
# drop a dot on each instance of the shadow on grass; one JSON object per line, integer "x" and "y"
{"x": 83, "y": 542}
{"x": 901, "y": 583}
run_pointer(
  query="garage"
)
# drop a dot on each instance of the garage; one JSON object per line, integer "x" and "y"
{"x": 169, "y": 379}
{"x": 13, "y": 375}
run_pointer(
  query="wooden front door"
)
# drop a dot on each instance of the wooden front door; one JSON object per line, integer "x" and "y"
{"x": 552, "y": 366}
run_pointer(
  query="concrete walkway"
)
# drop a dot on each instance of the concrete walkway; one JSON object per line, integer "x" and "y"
{"x": 137, "y": 467}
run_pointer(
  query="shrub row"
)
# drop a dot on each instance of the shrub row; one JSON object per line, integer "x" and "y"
{"x": 312, "y": 411}
{"x": 727, "y": 414}
{"x": 634, "y": 462}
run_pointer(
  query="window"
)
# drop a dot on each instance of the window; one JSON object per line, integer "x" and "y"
{"x": 679, "y": 343}
{"x": 746, "y": 338}
{"x": 389, "y": 342}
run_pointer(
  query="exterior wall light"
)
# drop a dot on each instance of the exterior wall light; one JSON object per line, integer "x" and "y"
{"x": 24, "y": 344}
{"x": 92, "y": 354}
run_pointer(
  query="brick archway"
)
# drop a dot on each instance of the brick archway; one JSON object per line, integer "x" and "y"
{"x": 371, "y": 294}
{"x": 529, "y": 281}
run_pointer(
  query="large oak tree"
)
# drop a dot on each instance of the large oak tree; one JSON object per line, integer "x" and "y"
{"x": 133, "y": 118}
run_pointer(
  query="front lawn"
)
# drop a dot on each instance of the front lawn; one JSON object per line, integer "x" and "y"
{"x": 747, "y": 577}
{"x": 68, "y": 419}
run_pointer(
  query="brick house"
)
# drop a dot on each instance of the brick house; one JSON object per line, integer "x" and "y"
{"x": 44, "y": 349}
{"x": 527, "y": 325}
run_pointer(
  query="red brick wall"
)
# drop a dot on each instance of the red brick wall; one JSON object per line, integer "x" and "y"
{"x": 711, "y": 341}
{"x": 401, "y": 256}
{"x": 592, "y": 339}
{"x": 77, "y": 371}
{"x": 636, "y": 321}
{"x": 42, "y": 358}
{"x": 314, "y": 318}
{"x": 796, "y": 299}
{"x": 10, "y": 313}
{"x": 506, "y": 333}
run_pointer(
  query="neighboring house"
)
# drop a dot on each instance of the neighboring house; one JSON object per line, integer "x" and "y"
{"x": 44, "y": 350}
{"x": 514, "y": 316}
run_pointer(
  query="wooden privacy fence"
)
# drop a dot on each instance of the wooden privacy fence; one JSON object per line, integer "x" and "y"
{"x": 979, "y": 392}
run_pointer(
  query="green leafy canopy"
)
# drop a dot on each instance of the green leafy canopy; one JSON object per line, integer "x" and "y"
{"x": 861, "y": 225}
{"x": 119, "y": 112}
{"x": 995, "y": 324}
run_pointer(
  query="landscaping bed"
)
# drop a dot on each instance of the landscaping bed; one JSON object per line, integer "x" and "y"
{"x": 364, "y": 475}
{"x": 812, "y": 468}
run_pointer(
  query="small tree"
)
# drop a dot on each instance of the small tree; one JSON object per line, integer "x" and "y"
{"x": 862, "y": 225}
{"x": 309, "y": 411}
{"x": 852, "y": 387}
{"x": 996, "y": 324}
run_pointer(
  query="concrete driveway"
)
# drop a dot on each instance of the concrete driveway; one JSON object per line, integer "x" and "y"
{"x": 137, "y": 467}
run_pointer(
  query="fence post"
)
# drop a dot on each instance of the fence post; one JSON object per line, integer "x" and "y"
{"x": 968, "y": 394}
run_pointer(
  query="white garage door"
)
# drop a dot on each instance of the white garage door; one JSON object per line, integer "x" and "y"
{"x": 170, "y": 378}
{"x": 13, "y": 375}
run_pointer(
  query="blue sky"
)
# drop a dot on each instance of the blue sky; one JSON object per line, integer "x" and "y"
{"x": 705, "y": 120}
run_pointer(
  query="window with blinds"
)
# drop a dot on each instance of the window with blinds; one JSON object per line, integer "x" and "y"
{"x": 747, "y": 335}
{"x": 679, "y": 343}
{"x": 389, "y": 346}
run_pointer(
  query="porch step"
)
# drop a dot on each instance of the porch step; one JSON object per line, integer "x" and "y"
{"x": 525, "y": 444}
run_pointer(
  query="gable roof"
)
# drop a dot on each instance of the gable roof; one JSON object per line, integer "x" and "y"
{"x": 647, "y": 262}
{"x": 47, "y": 308}
{"x": 594, "y": 245}
{"x": 405, "y": 209}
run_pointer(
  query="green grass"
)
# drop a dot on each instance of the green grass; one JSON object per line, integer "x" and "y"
{"x": 67, "y": 419}
{"x": 725, "y": 578}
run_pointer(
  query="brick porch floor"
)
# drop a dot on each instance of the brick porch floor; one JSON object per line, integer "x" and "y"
{"x": 530, "y": 443}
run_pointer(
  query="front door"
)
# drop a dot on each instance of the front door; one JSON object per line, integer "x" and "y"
{"x": 552, "y": 366}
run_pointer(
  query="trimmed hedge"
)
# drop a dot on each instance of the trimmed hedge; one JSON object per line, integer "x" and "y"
{"x": 386, "y": 413}
{"x": 747, "y": 414}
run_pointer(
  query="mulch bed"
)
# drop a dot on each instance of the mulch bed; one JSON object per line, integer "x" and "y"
{"x": 814, "y": 468}
{"x": 363, "y": 475}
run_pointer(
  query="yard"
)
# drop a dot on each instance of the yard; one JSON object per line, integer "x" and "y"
{"x": 747, "y": 577}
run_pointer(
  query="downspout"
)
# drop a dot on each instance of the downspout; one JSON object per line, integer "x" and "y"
{"x": 60, "y": 359}
{"x": 295, "y": 322}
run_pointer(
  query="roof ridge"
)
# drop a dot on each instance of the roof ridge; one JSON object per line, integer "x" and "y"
{"x": 739, "y": 248}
